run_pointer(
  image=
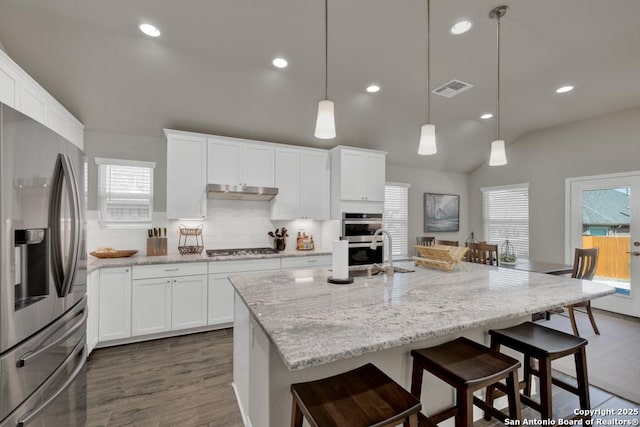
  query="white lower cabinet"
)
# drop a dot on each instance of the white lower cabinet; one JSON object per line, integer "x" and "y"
{"x": 114, "y": 311}
{"x": 189, "y": 302}
{"x": 152, "y": 299}
{"x": 221, "y": 291}
{"x": 169, "y": 297}
{"x": 221, "y": 295}
{"x": 150, "y": 306}
{"x": 93, "y": 301}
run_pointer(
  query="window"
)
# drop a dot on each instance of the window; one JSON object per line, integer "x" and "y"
{"x": 125, "y": 192}
{"x": 506, "y": 216}
{"x": 396, "y": 217}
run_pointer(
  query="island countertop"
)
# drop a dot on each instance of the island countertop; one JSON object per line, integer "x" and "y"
{"x": 311, "y": 322}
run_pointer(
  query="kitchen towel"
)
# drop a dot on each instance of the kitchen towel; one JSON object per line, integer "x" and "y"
{"x": 340, "y": 259}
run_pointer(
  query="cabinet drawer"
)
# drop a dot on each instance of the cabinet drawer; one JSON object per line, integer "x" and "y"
{"x": 169, "y": 270}
{"x": 244, "y": 265}
{"x": 306, "y": 261}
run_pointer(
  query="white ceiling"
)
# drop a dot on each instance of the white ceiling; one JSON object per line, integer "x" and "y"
{"x": 210, "y": 71}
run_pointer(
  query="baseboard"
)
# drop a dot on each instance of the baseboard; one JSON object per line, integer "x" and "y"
{"x": 168, "y": 334}
{"x": 243, "y": 414}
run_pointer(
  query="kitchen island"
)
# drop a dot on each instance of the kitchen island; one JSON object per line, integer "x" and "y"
{"x": 294, "y": 326}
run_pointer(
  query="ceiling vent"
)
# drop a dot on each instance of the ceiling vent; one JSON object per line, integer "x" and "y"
{"x": 452, "y": 88}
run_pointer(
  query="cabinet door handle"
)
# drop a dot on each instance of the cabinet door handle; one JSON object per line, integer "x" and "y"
{"x": 312, "y": 260}
{"x": 172, "y": 269}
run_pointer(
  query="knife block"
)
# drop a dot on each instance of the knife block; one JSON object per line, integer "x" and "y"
{"x": 156, "y": 246}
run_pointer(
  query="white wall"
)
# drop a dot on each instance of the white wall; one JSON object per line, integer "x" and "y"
{"x": 545, "y": 158}
{"x": 432, "y": 181}
{"x": 130, "y": 147}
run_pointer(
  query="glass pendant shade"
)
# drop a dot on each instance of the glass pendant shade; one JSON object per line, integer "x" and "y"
{"x": 498, "y": 153}
{"x": 427, "y": 140}
{"x": 325, "y": 124}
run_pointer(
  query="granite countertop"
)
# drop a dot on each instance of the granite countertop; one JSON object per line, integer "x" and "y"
{"x": 311, "y": 322}
{"x": 94, "y": 263}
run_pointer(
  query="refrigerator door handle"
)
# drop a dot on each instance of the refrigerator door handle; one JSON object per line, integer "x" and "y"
{"x": 31, "y": 414}
{"x": 74, "y": 256}
{"x": 63, "y": 177}
{"x": 30, "y": 356}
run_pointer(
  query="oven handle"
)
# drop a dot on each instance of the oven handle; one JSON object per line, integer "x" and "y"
{"x": 364, "y": 221}
{"x": 364, "y": 245}
{"x": 30, "y": 415}
{"x": 29, "y": 357}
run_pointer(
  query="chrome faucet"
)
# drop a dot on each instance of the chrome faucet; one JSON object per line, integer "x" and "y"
{"x": 374, "y": 244}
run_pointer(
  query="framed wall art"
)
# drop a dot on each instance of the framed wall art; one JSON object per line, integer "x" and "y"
{"x": 441, "y": 212}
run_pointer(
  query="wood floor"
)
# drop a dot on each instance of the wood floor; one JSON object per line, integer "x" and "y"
{"x": 182, "y": 381}
{"x": 186, "y": 381}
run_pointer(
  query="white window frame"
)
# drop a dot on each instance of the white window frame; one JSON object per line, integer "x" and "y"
{"x": 123, "y": 223}
{"x": 512, "y": 239}
{"x": 402, "y": 239}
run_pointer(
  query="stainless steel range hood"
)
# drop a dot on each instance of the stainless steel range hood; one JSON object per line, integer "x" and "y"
{"x": 240, "y": 192}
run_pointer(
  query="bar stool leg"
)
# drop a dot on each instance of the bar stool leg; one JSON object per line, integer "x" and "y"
{"x": 464, "y": 401}
{"x": 527, "y": 375}
{"x": 582, "y": 377}
{"x": 413, "y": 421}
{"x": 513, "y": 394}
{"x": 416, "y": 378}
{"x": 296, "y": 415}
{"x": 546, "y": 410}
{"x": 488, "y": 398}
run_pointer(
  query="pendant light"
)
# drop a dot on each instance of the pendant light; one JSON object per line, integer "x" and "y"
{"x": 498, "y": 154}
{"x": 427, "y": 144}
{"x": 325, "y": 123}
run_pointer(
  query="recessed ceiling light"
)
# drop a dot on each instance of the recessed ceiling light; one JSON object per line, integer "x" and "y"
{"x": 149, "y": 30}
{"x": 461, "y": 27}
{"x": 564, "y": 89}
{"x": 373, "y": 88}
{"x": 280, "y": 62}
{"x": 486, "y": 116}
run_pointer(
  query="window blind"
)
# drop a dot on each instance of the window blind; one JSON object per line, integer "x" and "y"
{"x": 506, "y": 216}
{"x": 396, "y": 217}
{"x": 125, "y": 192}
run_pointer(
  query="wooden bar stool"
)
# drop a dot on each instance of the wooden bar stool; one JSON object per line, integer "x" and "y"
{"x": 363, "y": 397}
{"x": 544, "y": 344}
{"x": 467, "y": 366}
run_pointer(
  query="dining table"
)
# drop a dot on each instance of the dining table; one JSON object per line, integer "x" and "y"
{"x": 540, "y": 267}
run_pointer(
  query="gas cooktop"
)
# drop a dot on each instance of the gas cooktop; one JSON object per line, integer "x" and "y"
{"x": 240, "y": 252}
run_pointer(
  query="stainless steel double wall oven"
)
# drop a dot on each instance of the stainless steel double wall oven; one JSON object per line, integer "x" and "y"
{"x": 358, "y": 229}
{"x": 43, "y": 275}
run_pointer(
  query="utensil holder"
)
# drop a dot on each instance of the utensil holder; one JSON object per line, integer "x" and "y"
{"x": 156, "y": 246}
{"x": 279, "y": 244}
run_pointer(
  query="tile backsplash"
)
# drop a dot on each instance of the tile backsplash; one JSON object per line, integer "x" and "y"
{"x": 229, "y": 224}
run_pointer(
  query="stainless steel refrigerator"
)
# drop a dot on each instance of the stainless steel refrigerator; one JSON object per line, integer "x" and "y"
{"x": 43, "y": 308}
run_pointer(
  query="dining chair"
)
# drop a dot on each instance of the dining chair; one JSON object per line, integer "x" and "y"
{"x": 585, "y": 263}
{"x": 447, "y": 242}
{"x": 425, "y": 240}
{"x": 482, "y": 253}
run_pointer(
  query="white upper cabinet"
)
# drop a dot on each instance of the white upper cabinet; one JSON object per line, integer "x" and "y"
{"x": 186, "y": 176}
{"x": 357, "y": 180}
{"x": 238, "y": 162}
{"x": 20, "y": 91}
{"x": 303, "y": 178}
{"x": 33, "y": 102}
{"x": 8, "y": 81}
